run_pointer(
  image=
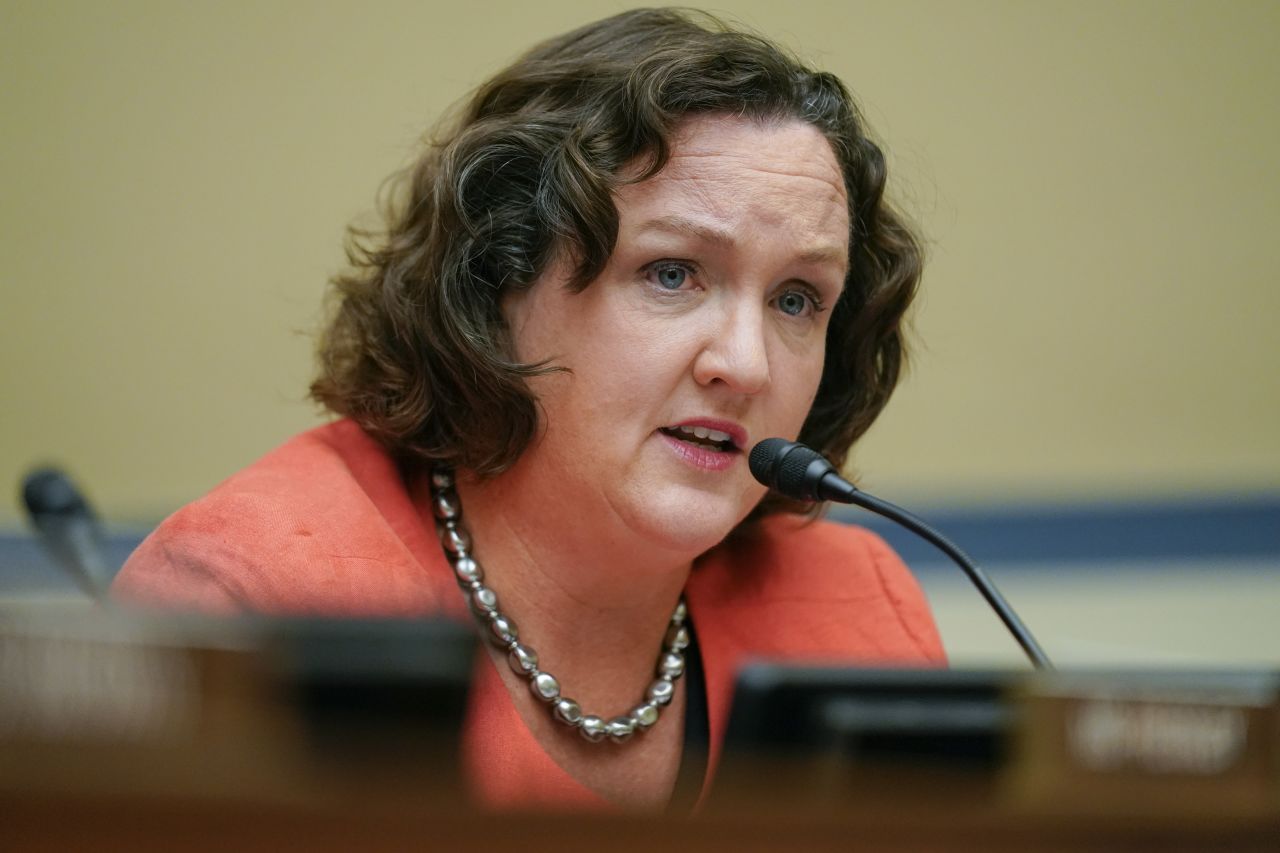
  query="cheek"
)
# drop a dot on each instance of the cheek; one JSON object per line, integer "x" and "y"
{"x": 529, "y": 324}
{"x": 622, "y": 369}
{"x": 632, "y": 351}
{"x": 800, "y": 389}
{"x": 623, "y": 380}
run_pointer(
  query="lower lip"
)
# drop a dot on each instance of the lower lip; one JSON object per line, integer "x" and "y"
{"x": 700, "y": 457}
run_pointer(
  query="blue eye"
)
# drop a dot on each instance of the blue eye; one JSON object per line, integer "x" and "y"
{"x": 794, "y": 303}
{"x": 671, "y": 276}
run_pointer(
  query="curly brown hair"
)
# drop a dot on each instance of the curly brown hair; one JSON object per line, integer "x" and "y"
{"x": 417, "y": 351}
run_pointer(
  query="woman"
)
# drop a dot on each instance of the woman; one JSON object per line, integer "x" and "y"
{"x": 642, "y": 248}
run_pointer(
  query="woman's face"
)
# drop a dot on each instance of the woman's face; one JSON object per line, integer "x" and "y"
{"x": 711, "y": 315}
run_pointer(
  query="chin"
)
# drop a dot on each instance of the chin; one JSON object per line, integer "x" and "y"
{"x": 690, "y": 524}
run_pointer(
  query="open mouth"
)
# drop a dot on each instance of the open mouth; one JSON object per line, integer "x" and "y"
{"x": 710, "y": 439}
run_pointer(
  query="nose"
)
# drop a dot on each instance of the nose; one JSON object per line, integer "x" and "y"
{"x": 735, "y": 353}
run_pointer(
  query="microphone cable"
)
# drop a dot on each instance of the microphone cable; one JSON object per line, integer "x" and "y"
{"x": 801, "y": 473}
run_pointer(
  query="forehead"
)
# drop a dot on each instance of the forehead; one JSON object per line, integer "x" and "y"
{"x": 748, "y": 176}
{"x": 704, "y": 146}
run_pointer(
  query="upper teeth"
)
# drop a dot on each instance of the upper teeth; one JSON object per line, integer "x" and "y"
{"x": 703, "y": 432}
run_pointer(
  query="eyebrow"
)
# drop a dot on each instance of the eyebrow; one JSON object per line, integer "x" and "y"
{"x": 725, "y": 239}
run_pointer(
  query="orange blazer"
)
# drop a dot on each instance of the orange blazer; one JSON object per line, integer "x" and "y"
{"x": 326, "y": 524}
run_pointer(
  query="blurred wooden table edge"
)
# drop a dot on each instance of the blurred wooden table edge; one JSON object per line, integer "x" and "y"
{"x": 43, "y": 822}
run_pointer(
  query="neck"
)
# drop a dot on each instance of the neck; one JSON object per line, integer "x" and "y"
{"x": 591, "y": 597}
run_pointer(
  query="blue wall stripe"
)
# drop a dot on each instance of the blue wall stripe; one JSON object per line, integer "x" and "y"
{"x": 1221, "y": 527}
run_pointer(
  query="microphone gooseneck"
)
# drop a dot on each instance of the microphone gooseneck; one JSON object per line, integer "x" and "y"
{"x": 803, "y": 474}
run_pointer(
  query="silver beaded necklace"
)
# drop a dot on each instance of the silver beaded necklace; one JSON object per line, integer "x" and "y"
{"x": 502, "y": 631}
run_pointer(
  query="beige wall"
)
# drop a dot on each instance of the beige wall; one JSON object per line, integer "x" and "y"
{"x": 1099, "y": 182}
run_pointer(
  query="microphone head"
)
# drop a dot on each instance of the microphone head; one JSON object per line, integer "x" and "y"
{"x": 789, "y": 468}
{"x": 50, "y": 492}
{"x": 765, "y": 457}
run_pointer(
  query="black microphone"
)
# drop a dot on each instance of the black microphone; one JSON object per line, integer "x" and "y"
{"x": 68, "y": 528}
{"x": 803, "y": 474}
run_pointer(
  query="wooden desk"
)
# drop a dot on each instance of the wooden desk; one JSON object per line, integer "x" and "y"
{"x": 198, "y": 740}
